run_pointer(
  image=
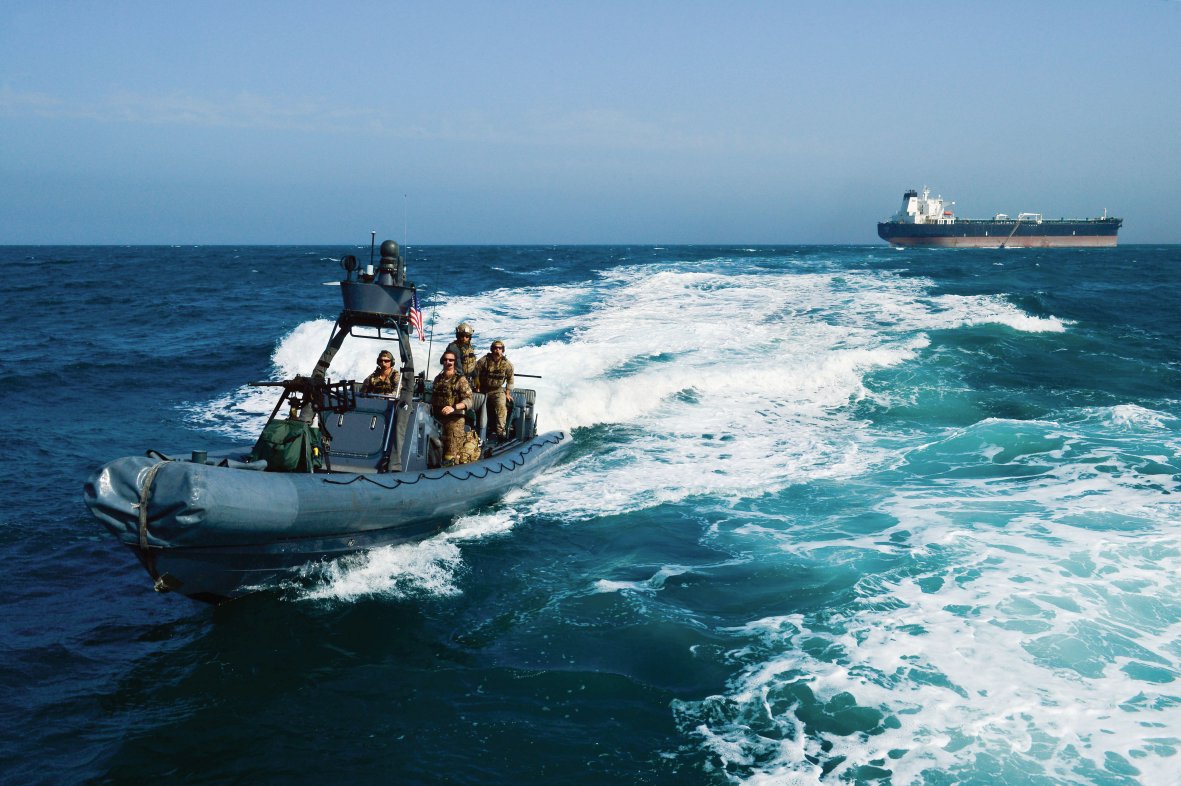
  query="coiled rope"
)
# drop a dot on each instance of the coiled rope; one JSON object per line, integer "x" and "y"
{"x": 145, "y": 496}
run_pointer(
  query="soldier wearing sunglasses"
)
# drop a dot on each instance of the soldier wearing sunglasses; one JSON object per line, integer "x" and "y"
{"x": 384, "y": 379}
{"x": 451, "y": 397}
{"x": 494, "y": 378}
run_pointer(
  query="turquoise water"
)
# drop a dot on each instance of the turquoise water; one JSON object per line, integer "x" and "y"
{"x": 833, "y": 515}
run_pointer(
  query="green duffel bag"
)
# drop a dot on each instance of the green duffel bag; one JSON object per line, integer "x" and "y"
{"x": 288, "y": 446}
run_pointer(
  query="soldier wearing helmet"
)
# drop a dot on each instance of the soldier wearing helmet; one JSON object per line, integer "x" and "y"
{"x": 462, "y": 347}
{"x": 494, "y": 374}
{"x": 384, "y": 379}
{"x": 451, "y": 398}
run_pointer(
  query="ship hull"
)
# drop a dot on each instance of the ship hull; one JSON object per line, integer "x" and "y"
{"x": 214, "y": 533}
{"x": 1095, "y": 233}
{"x": 994, "y": 242}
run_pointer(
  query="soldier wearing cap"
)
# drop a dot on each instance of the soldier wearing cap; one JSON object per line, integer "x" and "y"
{"x": 494, "y": 373}
{"x": 384, "y": 379}
{"x": 465, "y": 353}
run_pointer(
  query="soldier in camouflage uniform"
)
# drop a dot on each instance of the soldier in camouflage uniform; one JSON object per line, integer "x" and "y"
{"x": 464, "y": 351}
{"x": 384, "y": 379}
{"x": 451, "y": 397}
{"x": 494, "y": 373}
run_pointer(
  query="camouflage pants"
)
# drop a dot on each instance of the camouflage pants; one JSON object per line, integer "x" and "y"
{"x": 497, "y": 412}
{"x": 452, "y": 437}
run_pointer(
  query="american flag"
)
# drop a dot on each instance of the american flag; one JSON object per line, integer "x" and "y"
{"x": 416, "y": 318}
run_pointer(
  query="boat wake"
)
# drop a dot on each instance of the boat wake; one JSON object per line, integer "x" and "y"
{"x": 1023, "y": 628}
{"x": 712, "y": 383}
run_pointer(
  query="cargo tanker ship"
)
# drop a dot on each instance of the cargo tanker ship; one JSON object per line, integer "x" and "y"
{"x": 929, "y": 221}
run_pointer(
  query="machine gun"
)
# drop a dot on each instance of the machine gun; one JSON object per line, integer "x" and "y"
{"x": 308, "y": 396}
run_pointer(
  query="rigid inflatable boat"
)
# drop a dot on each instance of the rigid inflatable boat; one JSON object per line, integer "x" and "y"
{"x": 335, "y": 471}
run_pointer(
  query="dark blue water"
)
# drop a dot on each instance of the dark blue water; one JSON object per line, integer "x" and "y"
{"x": 833, "y": 515}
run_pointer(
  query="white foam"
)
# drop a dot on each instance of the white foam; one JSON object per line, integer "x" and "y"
{"x": 652, "y": 584}
{"x": 1131, "y": 416}
{"x": 1034, "y": 621}
{"x": 994, "y": 309}
{"x": 715, "y": 373}
{"x": 427, "y": 568}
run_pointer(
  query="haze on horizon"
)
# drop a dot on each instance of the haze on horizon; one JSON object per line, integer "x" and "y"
{"x": 609, "y": 122}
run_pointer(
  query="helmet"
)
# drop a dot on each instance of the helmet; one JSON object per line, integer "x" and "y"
{"x": 463, "y": 329}
{"x": 385, "y": 353}
{"x": 497, "y": 343}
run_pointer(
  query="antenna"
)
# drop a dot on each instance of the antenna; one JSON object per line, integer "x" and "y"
{"x": 431, "y": 342}
{"x": 372, "y": 240}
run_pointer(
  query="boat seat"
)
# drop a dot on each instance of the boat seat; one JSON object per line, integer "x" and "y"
{"x": 521, "y": 418}
{"x": 360, "y": 437}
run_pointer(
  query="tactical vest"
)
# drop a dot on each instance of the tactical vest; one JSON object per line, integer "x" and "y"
{"x": 375, "y": 384}
{"x": 448, "y": 391}
{"x": 465, "y": 357}
{"x": 468, "y": 360}
{"x": 492, "y": 373}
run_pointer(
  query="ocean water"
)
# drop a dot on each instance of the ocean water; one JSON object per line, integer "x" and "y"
{"x": 833, "y": 515}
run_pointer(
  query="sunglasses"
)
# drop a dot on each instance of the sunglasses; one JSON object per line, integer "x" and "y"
{"x": 384, "y": 361}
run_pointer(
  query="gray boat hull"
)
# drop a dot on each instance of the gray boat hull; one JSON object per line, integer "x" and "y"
{"x": 214, "y": 533}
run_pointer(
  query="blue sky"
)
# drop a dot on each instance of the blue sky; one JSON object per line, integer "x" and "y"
{"x": 578, "y": 122}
